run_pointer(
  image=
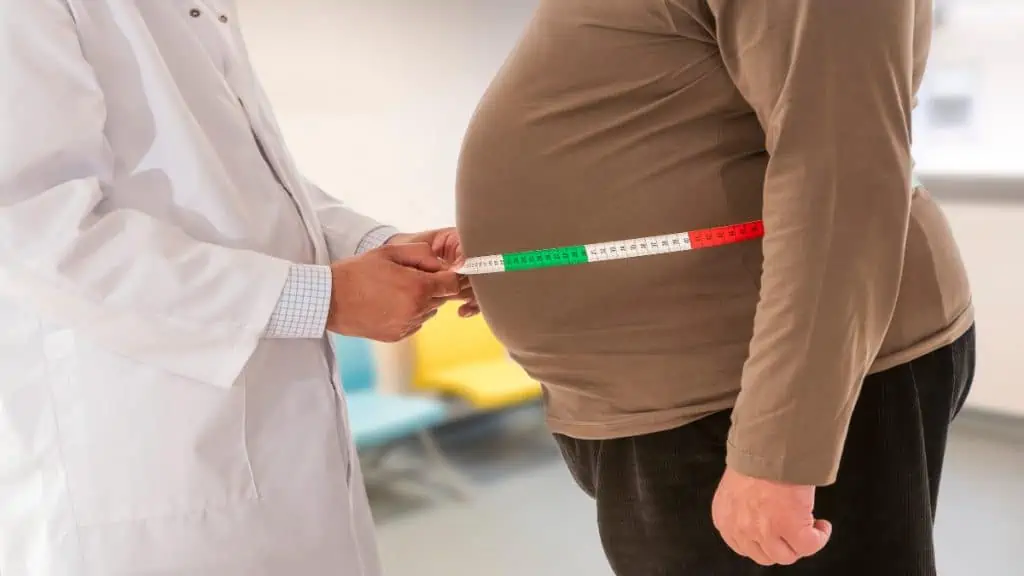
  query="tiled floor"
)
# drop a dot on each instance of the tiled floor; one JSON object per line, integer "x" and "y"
{"x": 527, "y": 518}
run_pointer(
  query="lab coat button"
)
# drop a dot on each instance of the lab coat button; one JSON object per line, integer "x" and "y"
{"x": 195, "y": 13}
{"x": 223, "y": 18}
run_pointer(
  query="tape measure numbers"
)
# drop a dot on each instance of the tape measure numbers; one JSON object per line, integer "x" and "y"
{"x": 634, "y": 248}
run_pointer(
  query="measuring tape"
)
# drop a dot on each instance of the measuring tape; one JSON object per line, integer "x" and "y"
{"x": 619, "y": 250}
{"x": 622, "y": 249}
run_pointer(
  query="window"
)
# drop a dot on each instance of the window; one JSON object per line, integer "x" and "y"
{"x": 947, "y": 102}
{"x": 969, "y": 122}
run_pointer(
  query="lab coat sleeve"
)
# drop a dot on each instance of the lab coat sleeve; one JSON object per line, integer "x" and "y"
{"x": 119, "y": 279}
{"x": 832, "y": 85}
{"x": 347, "y": 232}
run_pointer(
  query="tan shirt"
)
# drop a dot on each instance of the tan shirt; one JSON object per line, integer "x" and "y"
{"x": 618, "y": 119}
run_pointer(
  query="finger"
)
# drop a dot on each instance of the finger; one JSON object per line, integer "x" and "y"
{"x": 451, "y": 246}
{"x": 442, "y": 284}
{"x": 825, "y": 527}
{"x": 464, "y": 295}
{"x": 809, "y": 540}
{"x": 779, "y": 551}
{"x": 427, "y": 314}
{"x": 418, "y": 255}
{"x": 438, "y": 241}
{"x": 411, "y": 329}
{"x": 469, "y": 309}
{"x": 733, "y": 544}
{"x": 452, "y": 250}
{"x": 753, "y": 550}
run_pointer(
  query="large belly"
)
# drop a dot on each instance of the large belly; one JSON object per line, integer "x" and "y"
{"x": 526, "y": 198}
{"x": 583, "y": 157}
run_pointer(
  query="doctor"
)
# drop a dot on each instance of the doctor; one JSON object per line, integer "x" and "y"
{"x": 166, "y": 282}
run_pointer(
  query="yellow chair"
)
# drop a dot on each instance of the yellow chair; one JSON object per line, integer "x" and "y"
{"x": 461, "y": 358}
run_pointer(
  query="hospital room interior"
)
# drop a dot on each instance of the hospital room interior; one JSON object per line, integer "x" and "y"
{"x": 463, "y": 477}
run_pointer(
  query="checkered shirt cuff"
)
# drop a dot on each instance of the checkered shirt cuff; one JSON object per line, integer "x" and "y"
{"x": 375, "y": 238}
{"x": 304, "y": 304}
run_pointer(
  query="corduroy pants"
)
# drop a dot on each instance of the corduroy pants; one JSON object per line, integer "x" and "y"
{"x": 654, "y": 492}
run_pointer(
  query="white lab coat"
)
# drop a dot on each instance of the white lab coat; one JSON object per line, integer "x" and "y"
{"x": 145, "y": 425}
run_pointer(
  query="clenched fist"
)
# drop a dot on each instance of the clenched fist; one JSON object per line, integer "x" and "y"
{"x": 769, "y": 522}
{"x": 386, "y": 294}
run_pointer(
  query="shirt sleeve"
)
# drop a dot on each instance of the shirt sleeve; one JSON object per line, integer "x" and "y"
{"x": 376, "y": 238}
{"x": 831, "y": 84}
{"x": 119, "y": 278}
{"x": 305, "y": 302}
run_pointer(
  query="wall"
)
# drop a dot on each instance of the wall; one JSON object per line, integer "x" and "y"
{"x": 991, "y": 238}
{"x": 971, "y": 54}
{"x": 374, "y": 97}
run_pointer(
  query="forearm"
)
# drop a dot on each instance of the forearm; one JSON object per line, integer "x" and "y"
{"x": 829, "y": 287}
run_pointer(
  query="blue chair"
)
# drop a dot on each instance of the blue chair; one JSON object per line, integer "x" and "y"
{"x": 378, "y": 422}
{"x": 377, "y": 419}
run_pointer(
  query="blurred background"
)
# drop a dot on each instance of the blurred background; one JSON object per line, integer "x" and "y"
{"x": 373, "y": 98}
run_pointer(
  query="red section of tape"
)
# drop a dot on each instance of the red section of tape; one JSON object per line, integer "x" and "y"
{"x": 710, "y": 237}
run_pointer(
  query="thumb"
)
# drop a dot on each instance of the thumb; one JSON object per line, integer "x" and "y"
{"x": 819, "y": 535}
{"x": 418, "y": 255}
{"x": 810, "y": 539}
{"x": 824, "y": 527}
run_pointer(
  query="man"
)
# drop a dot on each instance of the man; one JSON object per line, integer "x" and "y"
{"x": 706, "y": 399}
{"x": 167, "y": 404}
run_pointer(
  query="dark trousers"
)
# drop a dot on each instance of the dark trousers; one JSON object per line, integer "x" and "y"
{"x": 654, "y": 492}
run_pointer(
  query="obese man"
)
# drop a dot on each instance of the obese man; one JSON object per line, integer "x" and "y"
{"x": 773, "y": 406}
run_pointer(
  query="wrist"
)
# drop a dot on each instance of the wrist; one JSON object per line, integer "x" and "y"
{"x": 399, "y": 238}
{"x": 337, "y": 279}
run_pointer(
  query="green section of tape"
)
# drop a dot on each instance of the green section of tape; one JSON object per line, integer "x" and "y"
{"x": 549, "y": 258}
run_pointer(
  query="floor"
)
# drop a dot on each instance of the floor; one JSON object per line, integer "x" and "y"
{"x": 526, "y": 517}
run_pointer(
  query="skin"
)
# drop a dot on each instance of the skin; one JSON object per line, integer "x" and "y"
{"x": 446, "y": 245}
{"x": 769, "y": 522}
{"x": 388, "y": 293}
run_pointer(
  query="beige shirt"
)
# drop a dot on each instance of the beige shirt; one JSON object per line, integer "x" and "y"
{"x": 620, "y": 119}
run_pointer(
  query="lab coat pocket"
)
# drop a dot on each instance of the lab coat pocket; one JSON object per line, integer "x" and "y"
{"x": 139, "y": 443}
